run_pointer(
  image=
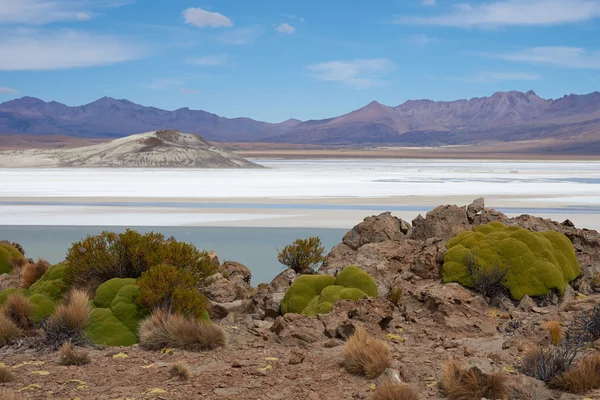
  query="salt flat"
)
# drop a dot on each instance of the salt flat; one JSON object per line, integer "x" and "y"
{"x": 296, "y": 193}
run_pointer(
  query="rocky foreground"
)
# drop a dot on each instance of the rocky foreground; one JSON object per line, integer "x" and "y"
{"x": 269, "y": 356}
{"x": 159, "y": 149}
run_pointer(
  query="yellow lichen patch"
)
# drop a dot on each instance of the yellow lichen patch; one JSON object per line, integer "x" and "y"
{"x": 148, "y": 366}
{"x": 432, "y": 384}
{"x": 155, "y": 391}
{"x": 120, "y": 355}
{"x": 167, "y": 351}
{"x": 394, "y": 338}
{"x": 372, "y": 386}
{"x": 32, "y": 387}
{"x": 80, "y": 384}
{"x": 510, "y": 370}
{"x": 43, "y": 373}
{"x": 24, "y": 363}
{"x": 271, "y": 359}
{"x": 268, "y": 367}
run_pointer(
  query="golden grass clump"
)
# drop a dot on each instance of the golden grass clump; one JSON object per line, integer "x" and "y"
{"x": 582, "y": 377}
{"x": 9, "y": 331}
{"x": 163, "y": 329}
{"x": 365, "y": 355}
{"x": 34, "y": 271}
{"x": 6, "y": 375}
{"x": 555, "y": 331}
{"x": 467, "y": 384}
{"x": 180, "y": 371}
{"x": 394, "y": 391}
{"x": 18, "y": 308}
{"x": 69, "y": 319}
{"x": 67, "y": 355}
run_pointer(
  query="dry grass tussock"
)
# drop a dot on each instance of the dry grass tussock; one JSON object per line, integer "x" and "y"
{"x": 365, "y": 355}
{"x": 33, "y": 272}
{"x": 555, "y": 331}
{"x": 69, "y": 319}
{"x": 163, "y": 329}
{"x": 6, "y": 375}
{"x": 18, "y": 308}
{"x": 467, "y": 384}
{"x": 583, "y": 377}
{"x": 394, "y": 391}
{"x": 9, "y": 331}
{"x": 180, "y": 371}
{"x": 67, "y": 355}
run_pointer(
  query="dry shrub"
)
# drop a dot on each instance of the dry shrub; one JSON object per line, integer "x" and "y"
{"x": 467, "y": 384}
{"x": 6, "y": 375}
{"x": 547, "y": 363}
{"x": 33, "y": 272}
{"x": 70, "y": 319}
{"x": 583, "y": 377}
{"x": 585, "y": 327}
{"x": 487, "y": 279}
{"x": 180, "y": 371}
{"x": 394, "y": 391}
{"x": 555, "y": 331}
{"x": 163, "y": 329}
{"x": 67, "y": 355}
{"x": 18, "y": 308}
{"x": 9, "y": 331}
{"x": 365, "y": 355}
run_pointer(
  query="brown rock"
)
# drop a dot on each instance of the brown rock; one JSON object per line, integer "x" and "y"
{"x": 443, "y": 222}
{"x": 296, "y": 356}
{"x": 375, "y": 229}
{"x": 233, "y": 269}
{"x": 526, "y": 303}
{"x": 474, "y": 208}
{"x": 214, "y": 260}
{"x": 283, "y": 281}
{"x": 346, "y": 315}
{"x": 223, "y": 290}
{"x": 297, "y": 330}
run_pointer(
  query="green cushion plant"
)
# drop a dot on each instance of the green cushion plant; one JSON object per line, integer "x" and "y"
{"x": 8, "y": 255}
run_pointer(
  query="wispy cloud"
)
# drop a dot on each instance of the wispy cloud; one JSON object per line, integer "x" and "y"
{"x": 428, "y": 3}
{"x": 202, "y": 18}
{"x": 512, "y": 12}
{"x": 285, "y": 29}
{"x": 241, "y": 36}
{"x": 188, "y": 91}
{"x": 566, "y": 57}
{"x": 361, "y": 74}
{"x": 40, "y": 12}
{"x": 164, "y": 83}
{"x": 7, "y": 90}
{"x": 47, "y": 50}
{"x": 422, "y": 39}
{"x": 293, "y": 17}
{"x": 493, "y": 77}
{"x": 208, "y": 61}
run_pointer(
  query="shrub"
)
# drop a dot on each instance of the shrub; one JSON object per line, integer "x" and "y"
{"x": 457, "y": 383}
{"x": 179, "y": 371}
{"x": 163, "y": 329}
{"x": 315, "y": 294}
{"x": 365, "y": 355}
{"x": 97, "y": 259}
{"x": 9, "y": 331}
{"x": 547, "y": 363}
{"x": 537, "y": 262}
{"x": 67, "y": 355}
{"x": 303, "y": 256}
{"x": 18, "y": 308}
{"x": 583, "y": 377}
{"x": 69, "y": 319}
{"x": 585, "y": 327}
{"x": 169, "y": 288}
{"x": 394, "y": 391}
{"x": 33, "y": 272}
{"x": 555, "y": 332}
{"x": 487, "y": 279}
{"x": 6, "y": 375}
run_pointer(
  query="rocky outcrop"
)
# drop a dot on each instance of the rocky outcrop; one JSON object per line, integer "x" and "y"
{"x": 346, "y": 315}
{"x": 297, "y": 330}
{"x": 443, "y": 222}
{"x": 230, "y": 283}
{"x": 376, "y": 229}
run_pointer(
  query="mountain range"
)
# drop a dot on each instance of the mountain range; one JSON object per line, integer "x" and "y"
{"x": 573, "y": 120}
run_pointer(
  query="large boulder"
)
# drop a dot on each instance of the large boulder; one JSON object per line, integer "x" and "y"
{"x": 234, "y": 269}
{"x": 475, "y": 208}
{"x": 375, "y": 229}
{"x": 226, "y": 290}
{"x": 297, "y": 330}
{"x": 443, "y": 222}
{"x": 346, "y": 316}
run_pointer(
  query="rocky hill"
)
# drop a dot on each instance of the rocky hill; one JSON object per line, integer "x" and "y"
{"x": 152, "y": 149}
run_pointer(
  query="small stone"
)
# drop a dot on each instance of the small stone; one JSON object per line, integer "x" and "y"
{"x": 540, "y": 310}
{"x": 332, "y": 343}
{"x": 526, "y": 304}
{"x": 296, "y": 356}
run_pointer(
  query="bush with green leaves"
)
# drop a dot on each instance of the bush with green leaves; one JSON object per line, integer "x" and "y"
{"x": 9, "y": 255}
{"x": 303, "y": 256}
{"x": 537, "y": 262}
{"x": 315, "y": 294}
{"x": 96, "y": 259}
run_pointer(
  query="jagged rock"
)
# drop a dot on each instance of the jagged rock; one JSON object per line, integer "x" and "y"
{"x": 389, "y": 375}
{"x": 375, "y": 229}
{"x": 296, "y": 356}
{"x": 474, "y": 208}
{"x": 488, "y": 215}
{"x": 226, "y": 290}
{"x": 233, "y": 269}
{"x": 346, "y": 315}
{"x": 526, "y": 304}
{"x": 214, "y": 260}
{"x": 443, "y": 222}
{"x": 221, "y": 310}
{"x": 283, "y": 281}
{"x": 297, "y": 330}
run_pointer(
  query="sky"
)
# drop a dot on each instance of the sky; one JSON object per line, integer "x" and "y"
{"x": 272, "y": 60}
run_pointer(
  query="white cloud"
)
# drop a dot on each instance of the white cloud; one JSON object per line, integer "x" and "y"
{"x": 361, "y": 74}
{"x": 422, "y": 39}
{"x": 241, "y": 36}
{"x": 40, "y": 12}
{"x": 202, "y": 18}
{"x": 164, "y": 83}
{"x": 285, "y": 28}
{"x": 46, "y": 50}
{"x": 189, "y": 91}
{"x": 491, "y": 77}
{"x": 428, "y": 3}
{"x": 567, "y": 57}
{"x": 6, "y": 90}
{"x": 512, "y": 12}
{"x": 81, "y": 16}
{"x": 292, "y": 16}
{"x": 208, "y": 61}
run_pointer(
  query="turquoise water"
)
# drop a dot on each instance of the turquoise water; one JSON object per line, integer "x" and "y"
{"x": 253, "y": 247}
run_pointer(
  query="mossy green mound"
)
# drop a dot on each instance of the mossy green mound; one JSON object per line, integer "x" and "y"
{"x": 8, "y": 254}
{"x": 115, "y": 320}
{"x": 7, "y": 292}
{"x": 537, "y": 262}
{"x": 42, "y": 307}
{"x": 52, "y": 283}
{"x": 316, "y": 294}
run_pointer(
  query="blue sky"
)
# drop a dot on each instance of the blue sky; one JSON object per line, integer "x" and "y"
{"x": 273, "y": 60}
